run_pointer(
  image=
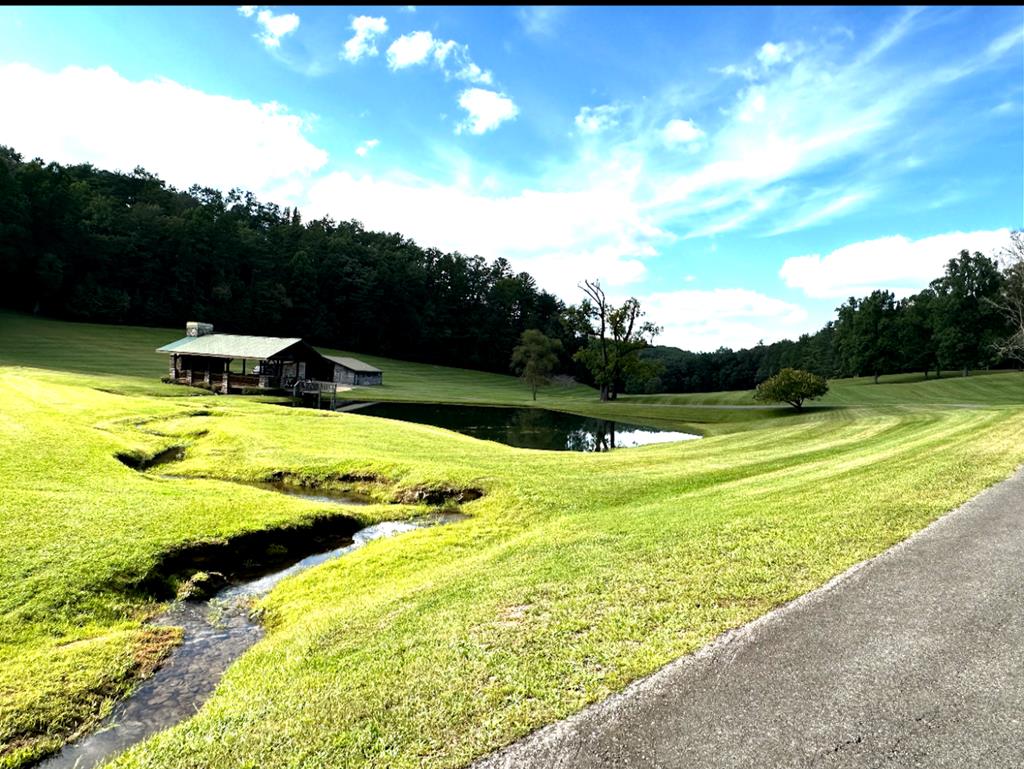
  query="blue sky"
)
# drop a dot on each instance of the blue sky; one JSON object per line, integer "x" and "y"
{"x": 740, "y": 170}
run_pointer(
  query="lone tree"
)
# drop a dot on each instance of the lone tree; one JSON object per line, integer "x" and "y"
{"x": 792, "y": 386}
{"x": 535, "y": 358}
{"x": 615, "y": 336}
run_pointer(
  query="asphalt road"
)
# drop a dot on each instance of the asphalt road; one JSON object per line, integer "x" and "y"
{"x": 912, "y": 659}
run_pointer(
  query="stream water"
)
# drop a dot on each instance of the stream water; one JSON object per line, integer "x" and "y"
{"x": 216, "y": 632}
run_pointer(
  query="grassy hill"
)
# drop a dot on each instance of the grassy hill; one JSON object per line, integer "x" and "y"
{"x": 574, "y": 575}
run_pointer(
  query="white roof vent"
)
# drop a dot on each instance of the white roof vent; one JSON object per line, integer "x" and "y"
{"x": 194, "y": 328}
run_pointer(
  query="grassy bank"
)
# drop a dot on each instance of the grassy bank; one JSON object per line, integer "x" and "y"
{"x": 574, "y": 575}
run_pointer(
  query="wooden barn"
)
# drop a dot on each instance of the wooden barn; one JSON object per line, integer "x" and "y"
{"x": 231, "y": 363}
{"x": 352, "y": 371}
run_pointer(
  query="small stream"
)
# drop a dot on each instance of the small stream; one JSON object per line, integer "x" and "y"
{"x": 216, "y": 632}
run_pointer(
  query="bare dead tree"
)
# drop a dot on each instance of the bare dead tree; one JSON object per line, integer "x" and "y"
{"x": 599, "y": 310}
{"x": 1011, "y": 299}
{"x": 617, "y": 334}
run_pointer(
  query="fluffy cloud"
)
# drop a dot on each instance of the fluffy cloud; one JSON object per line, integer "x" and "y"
{"x": 453, "y": 58}
{"x": 724, "y": 317}
{"x": 185, "y": 136}
{"x": 450, "y": 57}
{"x": 592, "y": 120}
{"x": 361, "y": 44}
{"x": 410, "y": 49}
{"x": 773, "y": 53}
{"x": 896, "y": 263}
{"x": 275, "y": 26}
{"x": 558, "y": 237}
{"x": 487, "y": 110}
{"x": 681, "y": 132}
{"x": 366, "y": 146}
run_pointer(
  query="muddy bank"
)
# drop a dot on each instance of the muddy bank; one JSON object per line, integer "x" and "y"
{"x": 143, "y": 463}
{"x": 246, "y": 556}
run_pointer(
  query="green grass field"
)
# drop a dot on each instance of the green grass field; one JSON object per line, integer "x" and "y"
{"x": 576, "y": 573}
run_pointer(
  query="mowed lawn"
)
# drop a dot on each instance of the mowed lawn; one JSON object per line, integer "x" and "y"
{"x": 979, "y": 389}
{"x": 574, "y": 575}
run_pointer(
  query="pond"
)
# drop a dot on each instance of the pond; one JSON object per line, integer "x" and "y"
{"x": 528, "y": 428}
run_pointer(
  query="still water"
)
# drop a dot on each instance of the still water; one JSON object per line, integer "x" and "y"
{"x": 528, "y": 428}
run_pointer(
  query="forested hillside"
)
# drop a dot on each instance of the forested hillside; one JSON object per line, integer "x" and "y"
{"x": 81, "y": 243}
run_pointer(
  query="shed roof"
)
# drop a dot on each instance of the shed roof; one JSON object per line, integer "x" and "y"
{"x": 230, "y": 346}
{"x": 354, "y": 364}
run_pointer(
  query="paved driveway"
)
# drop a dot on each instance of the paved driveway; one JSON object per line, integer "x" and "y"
{"x": 912, "y": 659}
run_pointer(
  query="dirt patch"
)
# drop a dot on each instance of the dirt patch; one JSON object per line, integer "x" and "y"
{"x": 422, "y": 495}
{"x": 152, "y": 646}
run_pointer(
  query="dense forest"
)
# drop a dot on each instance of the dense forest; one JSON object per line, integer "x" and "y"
{"x": 82, "y": 243}
{"x": 86, "y": 244}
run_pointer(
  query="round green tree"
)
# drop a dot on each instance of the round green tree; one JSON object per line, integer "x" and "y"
{"x": 535, "y": 358}
{"x": 792, "y": 386}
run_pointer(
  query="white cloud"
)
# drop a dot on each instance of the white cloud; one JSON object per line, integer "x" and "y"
{"x": 185, "y": 136}
{"x": 772, "y": 54}
{"x": 275, "y": 26}
{"x": 594, "y": 230}
{"x": 592, "y": 120}
{"x": 896, "y": 263}
{"x": 450, "y": 57}
{"x": 247, "y": 10}
{"x": 724, "y": 317}
{"x": 366, "y": 146}
{"x": 410, "y": 49}
{"x": 487, "y": 110}
{"x": 361, "y": 44}
{"x": 678, "y": 131}
{"x": 454, "y": 60}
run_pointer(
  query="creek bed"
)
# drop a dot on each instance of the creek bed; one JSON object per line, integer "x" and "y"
{"x": 216, "y": 632}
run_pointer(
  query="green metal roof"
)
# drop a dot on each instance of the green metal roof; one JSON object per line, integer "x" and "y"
{"x": 354, "y": 363}
{"x": 230, "y": 346}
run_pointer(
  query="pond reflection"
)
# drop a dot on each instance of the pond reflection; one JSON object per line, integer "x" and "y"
{"x": 528, "y": 428}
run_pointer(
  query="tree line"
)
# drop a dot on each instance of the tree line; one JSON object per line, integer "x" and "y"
{"x": 82, "y": 243}
{"x": 971, "y": 317}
